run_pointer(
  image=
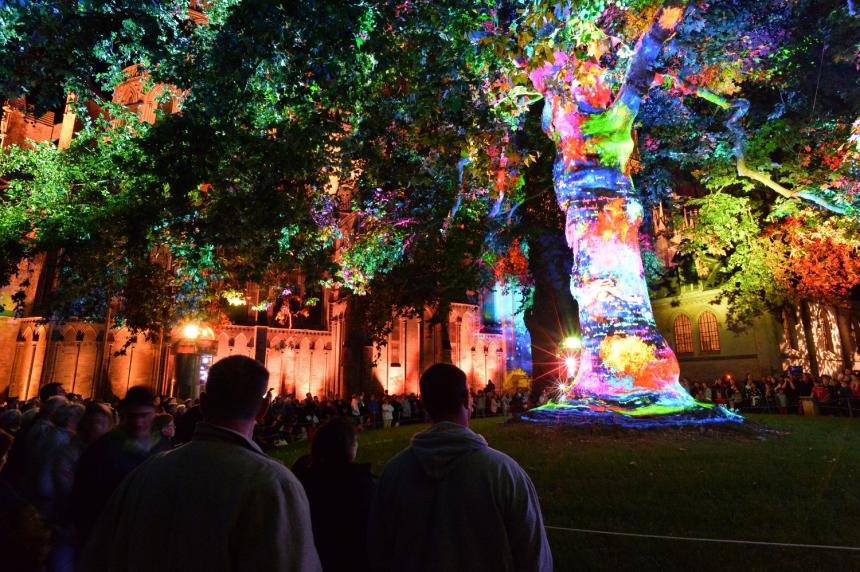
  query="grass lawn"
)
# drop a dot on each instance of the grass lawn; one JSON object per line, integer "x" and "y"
{"x": 800, "y": 485}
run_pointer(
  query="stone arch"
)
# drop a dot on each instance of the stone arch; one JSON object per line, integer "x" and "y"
{"x": 26, "y": 335}
{"x": 89, "y": 333}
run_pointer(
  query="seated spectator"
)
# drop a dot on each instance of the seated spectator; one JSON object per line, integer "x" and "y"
{"x": 339, "y": 492}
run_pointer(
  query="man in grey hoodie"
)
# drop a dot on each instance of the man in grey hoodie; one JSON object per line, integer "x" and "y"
{"x": 450, "y": 502}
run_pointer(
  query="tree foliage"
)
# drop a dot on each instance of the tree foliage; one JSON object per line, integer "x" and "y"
{"x": 393, "y": 149}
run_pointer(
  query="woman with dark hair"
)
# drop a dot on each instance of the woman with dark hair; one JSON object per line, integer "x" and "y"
{"x": 339, "y": 493}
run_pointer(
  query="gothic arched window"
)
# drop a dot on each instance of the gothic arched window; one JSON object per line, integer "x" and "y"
{"x": 683, "y": 335}
{"x": 709, "y": 333}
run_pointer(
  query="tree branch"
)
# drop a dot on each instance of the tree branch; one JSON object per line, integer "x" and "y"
{"x": 741, "y": 107}
{"x": 640, "y": 70}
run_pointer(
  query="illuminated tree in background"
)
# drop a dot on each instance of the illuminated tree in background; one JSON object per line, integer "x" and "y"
{"x": 623, "y": 366}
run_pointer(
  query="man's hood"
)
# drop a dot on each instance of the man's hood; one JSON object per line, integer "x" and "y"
{"x": 440, "y": 448}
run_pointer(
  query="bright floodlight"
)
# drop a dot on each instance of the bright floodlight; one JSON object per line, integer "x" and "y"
{"x": 572, "y": 365}
{"x": 190, "y": 331}
{"x": 571, "y": 343}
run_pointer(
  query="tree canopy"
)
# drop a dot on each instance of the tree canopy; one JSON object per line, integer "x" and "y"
{"x": 393, "y": 148}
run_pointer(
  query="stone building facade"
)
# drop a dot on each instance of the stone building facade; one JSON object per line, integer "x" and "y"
{"x": 811, "y": 337}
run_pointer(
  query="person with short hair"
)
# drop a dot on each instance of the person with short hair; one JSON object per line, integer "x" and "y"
{"x": 230, "y": 506}
{"x": 105, "y": 463}
{"x": 449, "y": 501}
{"x": 165, "y": 427}
{"x": 50, "y": 390}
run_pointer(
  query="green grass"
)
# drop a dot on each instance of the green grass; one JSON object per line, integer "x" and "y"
{"x": 799, "y": 486}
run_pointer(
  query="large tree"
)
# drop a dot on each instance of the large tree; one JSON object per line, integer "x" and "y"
{"x": 394, "y": 149}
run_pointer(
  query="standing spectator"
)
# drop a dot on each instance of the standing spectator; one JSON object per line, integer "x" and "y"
{"x": 248, "y": 512}
{"x": 480, "y": 404}
{"x": 855, "y": 386}
{"x": 31, "y": 469}
{"x": 751, "y": 392}
{"x": 719, "y": 390}
{"x": 450, "y": 502}
{"x": 374, "y": 411}
{"x": 387, "y": 413}
{"x": 165, "y": 428}
{"x": 491, "y": 387}
{"x": 357, "y": 404}
{"x": 398, "y": 410}
{"x": 506, "y": 404}
{"x": 117, "y": 453}
{"x": 820, "y": 393}
{"x": 735, "y": 395}
{"x": 10, "y": 421}
{"x": 792, "y": 393}
{"x": 406, "y": 415}
{"x": 769, "y": 394}
{"x": 781, "y": 399}
{"x": 493, "y": 404}
{"x": 97, "y": 420}
{"x": 843, "y": 397}
{"x": 63, "y": 464}
{"x": 805, "y": 385}
{"x": 339, "y": 493}
{"x": 186, "y": 424}
{"x": 24, "y": 537}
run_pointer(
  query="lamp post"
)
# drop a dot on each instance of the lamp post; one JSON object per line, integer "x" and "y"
{"x": 192, "y": 357}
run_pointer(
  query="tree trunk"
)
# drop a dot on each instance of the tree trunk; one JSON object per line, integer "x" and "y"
{"x": 355, "y": 339}
{"x": 624, "y": 365}
{"x": 809, "y": 337}
{"x": 553, "y": 314}
{"x": 624, "y": 361}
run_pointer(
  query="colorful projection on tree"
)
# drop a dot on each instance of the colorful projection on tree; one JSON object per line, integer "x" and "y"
{"x": 623, "y": 370}
{"x": 503, "y": 307}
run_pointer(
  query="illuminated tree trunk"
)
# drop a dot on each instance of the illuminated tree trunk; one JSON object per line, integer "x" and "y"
{"x": 624, "y": 365}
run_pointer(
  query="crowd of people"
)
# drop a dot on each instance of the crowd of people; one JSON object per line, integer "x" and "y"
{"x": 86, "y": 485}
{"x": 783, "y": 394}
{"x": 62, "y": 459}
{"x": 290, "y": 419}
